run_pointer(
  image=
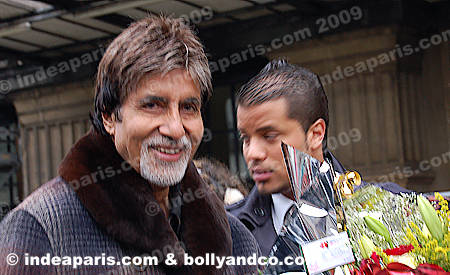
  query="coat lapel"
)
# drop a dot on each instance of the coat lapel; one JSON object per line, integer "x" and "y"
{"x": 122, "y": 204}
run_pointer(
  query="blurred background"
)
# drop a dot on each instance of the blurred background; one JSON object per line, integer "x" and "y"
{"x": 385, "y": 66}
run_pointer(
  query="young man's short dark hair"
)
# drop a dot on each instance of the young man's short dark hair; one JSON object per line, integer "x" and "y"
{"x": 306, "y": 98}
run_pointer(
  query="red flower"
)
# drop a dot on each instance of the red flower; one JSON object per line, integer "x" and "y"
{"x": 372, "y": 267}
{"x": 397, "y": 251}
{"x": 375, "y": 258}
{"x": 368, "y": 267}
{"x": 430, "y": 269}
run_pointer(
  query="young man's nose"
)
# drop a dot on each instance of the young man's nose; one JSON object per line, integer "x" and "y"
{"x": 255, "y": 151}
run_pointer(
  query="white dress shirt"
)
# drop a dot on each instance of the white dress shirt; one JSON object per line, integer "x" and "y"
{"x": 281, "y": 204}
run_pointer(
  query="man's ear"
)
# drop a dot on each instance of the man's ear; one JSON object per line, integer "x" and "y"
{"x": 315, "y": 135}
{"x": 109, "y": 122}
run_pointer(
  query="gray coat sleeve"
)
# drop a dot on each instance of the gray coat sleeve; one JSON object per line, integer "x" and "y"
{"x": 21, "y": 234}
{"x": 244, "y": 244}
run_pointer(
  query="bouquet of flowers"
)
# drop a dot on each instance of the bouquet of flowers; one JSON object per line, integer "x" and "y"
{"x": 397, "y": 233}
{"x": 388, "y": 233}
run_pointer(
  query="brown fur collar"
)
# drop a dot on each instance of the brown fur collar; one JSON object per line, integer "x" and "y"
{"x": 122, "y": 204}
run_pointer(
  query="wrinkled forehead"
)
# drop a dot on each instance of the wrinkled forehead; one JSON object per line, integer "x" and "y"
{"x": 174, "y": 84}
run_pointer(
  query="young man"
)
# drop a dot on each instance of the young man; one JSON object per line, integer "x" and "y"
{"x": 129, "y": 186}
{"x": 283, "y": 102}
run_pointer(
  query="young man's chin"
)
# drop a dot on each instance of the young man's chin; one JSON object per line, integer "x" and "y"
{"x": 268, "y": 188}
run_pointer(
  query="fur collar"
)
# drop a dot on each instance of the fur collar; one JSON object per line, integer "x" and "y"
{"x": 122, "y": 204}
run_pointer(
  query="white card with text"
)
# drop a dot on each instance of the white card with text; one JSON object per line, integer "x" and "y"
{"x": 327, "y": 253}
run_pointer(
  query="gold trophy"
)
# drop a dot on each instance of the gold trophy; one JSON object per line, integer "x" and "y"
{"x": 343, "y": 186}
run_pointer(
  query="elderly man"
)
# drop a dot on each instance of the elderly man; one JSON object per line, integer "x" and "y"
{"x": 283, "y": 102}
{"x": 129, "y": 188}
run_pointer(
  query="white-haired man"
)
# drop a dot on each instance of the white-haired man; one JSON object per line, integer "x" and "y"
{"x": 129, "y": 186}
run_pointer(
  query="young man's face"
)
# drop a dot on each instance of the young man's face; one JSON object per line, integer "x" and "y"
{"x": 161, "y": 127}
{"x": 262, "y": 128}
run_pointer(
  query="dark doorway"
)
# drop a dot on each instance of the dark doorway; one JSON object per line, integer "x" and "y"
{"x": 9, "y": 161}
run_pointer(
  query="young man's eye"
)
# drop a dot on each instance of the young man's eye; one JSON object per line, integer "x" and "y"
{"x": 270, "y": 137}
{"x": 243, "y": 138}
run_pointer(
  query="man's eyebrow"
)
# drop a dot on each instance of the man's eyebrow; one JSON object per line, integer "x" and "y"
{"x": 192, "y": 100}
{"x": 265, "y": 129}
{"x": 261, "y": 129}
{"x": 152, "y": 98}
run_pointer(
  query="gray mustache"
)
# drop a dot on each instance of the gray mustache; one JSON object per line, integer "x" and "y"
{"x": 184, "y": 142}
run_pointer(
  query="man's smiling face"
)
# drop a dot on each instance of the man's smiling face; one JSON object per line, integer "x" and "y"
{"x": 160, "y": 126}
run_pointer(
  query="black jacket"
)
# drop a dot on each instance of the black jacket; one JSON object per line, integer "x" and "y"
{"x": 255, "y": 212}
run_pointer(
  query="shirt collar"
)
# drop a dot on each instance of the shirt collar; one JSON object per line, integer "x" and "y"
{"x": 280, "y": 206}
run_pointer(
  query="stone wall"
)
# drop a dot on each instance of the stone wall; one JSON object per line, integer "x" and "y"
{"x": 51, "y": 119}
{"x": 400, "y": 106}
